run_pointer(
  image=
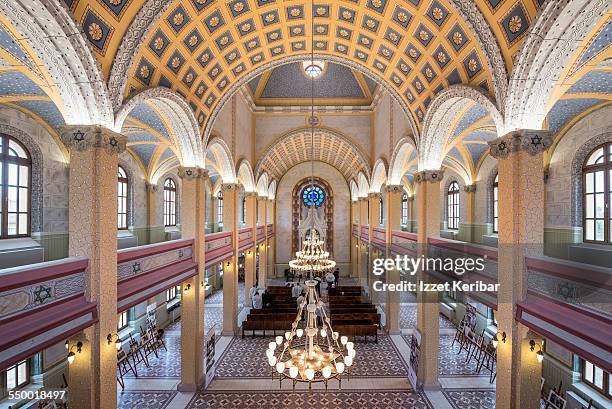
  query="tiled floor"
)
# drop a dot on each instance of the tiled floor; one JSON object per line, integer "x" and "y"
{"x": 217, "y": 296}
{"x": 408, "y": 317}
{"x": 167, "y": 365}
{"x": 144, "y": 399}
{"x": 470, "y": 399}
{"x": 374, "y": 399}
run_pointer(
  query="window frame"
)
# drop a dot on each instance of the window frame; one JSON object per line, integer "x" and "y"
{"x": 381, "y": 211}
{"x": 605, "y": 389}
{"x": 404, "y": 209}
{"x": 5, "y": 161}
{"x": 453, "y": 206}
{"x": 18, "y": 386}
{"x": 123, "y": 180}
{"x": 123, "y": 320}
{"x": 170, "y": 203}
{"x": 606, "y": 169}
{"x": 495, "y": 204}
{"x": 219, "y": 207}
{"x": 171, "y": 294}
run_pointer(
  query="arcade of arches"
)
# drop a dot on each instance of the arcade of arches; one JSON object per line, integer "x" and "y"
{"x": 161, "y": 163}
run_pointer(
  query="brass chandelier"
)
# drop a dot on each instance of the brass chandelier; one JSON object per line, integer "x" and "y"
{"x": 313, "y": 257}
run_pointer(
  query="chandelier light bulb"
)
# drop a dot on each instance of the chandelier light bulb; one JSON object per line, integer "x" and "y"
{"x": 280, "y": 367}
{"x": 272, "y": 360}
{"x": 269, "y": 353}
{"x": 293, "y": 371}
{"x": 323, "y": 332}
{"x": 348, "y": 361}
{"x": 351, "y": 353}
{"x": 540, "y": 356}
{"x": 349, "y": 346}
{"x": 279, "y": 340}
{"x": 299, "y": 332}
{"x": 339, "y": 367}
{"x": 70, "y": 357}
{"x": 310, "y": 373}
{"x": 272, "y": 346}
{"x": 287, "y": 335}
{"x": 335, "y": 336}
{"x": 343, "y": 340}
{"x": 326, "y": 372}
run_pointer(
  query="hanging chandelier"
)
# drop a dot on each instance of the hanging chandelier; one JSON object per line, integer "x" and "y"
{"x": 311, "y": 354}
{"x": 313, "y": 257}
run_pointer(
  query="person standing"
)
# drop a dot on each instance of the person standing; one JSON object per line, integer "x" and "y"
{"x": 258, "y": 301}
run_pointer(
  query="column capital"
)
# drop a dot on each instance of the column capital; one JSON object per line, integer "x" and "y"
{"x": 374, "y": 195}
{"x": 394, "y": 188}
{"x": 429, "y": 176}
{"x": 529, "y": 140}
{"x": 151, "y": 187}
{"x": 270, "y": 200}
{"x": 362, "y": 199}
{"x": 250, "y": 194}
{"x": 192, "y": 172}
{"x": 85, "y": 137}
{"x": 228, "y": 187}
{"x": 470, "y": 188}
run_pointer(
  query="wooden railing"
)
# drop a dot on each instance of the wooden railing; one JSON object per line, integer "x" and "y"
{"x": 145, "y": 271}
{"x": 219, "y": 247}
{"x": 245, "y": 238}
{"x": 40, "y": 305}
{"x": 379, "y": 237}
{"x": 403, "y": 243}
{"x": 355, "y": 230}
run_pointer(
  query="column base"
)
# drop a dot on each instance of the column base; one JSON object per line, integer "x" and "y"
{"x": 228, "y": 333}
{"x": 187, "y": 387}
{"x": 432, "y": 387}
{"x": 394, "y": 332}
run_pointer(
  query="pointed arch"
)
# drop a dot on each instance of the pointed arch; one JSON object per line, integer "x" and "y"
{"x": 403, "y": 158}
{"x": 262, "y": 185}
{"x": 379, "y": 176}
{"x": 272, "y": 190}
{"x": 364, "y": 186}
{"x": 354, "y": 190}
{"x": 223, "y": 161}
{"x": 245, "y": 176}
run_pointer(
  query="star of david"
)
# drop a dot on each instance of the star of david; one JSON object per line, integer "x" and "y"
{"x": 41, "y": 294}
{"x": 136, "y": 267}
{"x": 536, "y": 140}
{"x": 180, "y": 253}
{"x": 313, "y": 120}
{"x": 79, "y": 136}
{"x": 189, "y": 173}
{"x": 502, "y": 146}
{"x": 434, "y": 175}
{"x": 113, "y": 142}
{"x": 566, "y": 291}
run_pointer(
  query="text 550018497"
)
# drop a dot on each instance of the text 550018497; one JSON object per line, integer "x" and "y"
{"x": 39, "y": 394}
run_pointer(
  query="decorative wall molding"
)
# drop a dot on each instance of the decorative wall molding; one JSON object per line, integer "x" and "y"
{"x": 431, "y": 176}
{"x": 81, "y": 138}
{"x": 190, "y": 173}
{"x": 531, "y": 141}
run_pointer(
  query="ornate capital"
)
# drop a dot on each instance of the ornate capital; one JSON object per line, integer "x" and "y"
{"x": 362, "y": 199}
{"x": 374, "y": 195}
{"x": 394, "y": 188}
{"x": 84, "y": 137}
{"x": 151, "y": 187}
{"x": 470, "y": 188}
{"x": 531, "y": 141}
{"x": 250, "y": 194}
{"x": 190, "y": 173}
{"x": 228, "y": 187}
{"x": 429, "y": 176}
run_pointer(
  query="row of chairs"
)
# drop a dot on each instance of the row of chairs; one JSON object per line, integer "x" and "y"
{"x": 476, "y": 346}
{"x": 353, "y": 315}
{"x": 151, "y": 341}
{"x": 277, "y": 316}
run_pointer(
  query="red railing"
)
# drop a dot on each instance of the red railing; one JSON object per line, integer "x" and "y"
{"x": 261, "y": 233}
{"x": 270, "y": 230}
{"x": 219, "y": 247}
{"x": 245, "y": 238}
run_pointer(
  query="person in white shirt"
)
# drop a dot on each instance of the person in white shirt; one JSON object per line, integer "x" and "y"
{"x": 252, "y": 292}
{"x": 257, "y": 301}
{"x": 329, "y": 278}
{"x": 296, "y": 290}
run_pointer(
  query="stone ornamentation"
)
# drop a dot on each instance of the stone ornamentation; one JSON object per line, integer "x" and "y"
{"x": 144, "y": 265}
{"x": 190, "y": 173}
{"x": 229, "y": 187}
{"x": 429, "y": 176}
{"x": 151, "y": 187}
{"x": 533, "y": 142}
{"x": 250, "y": 194}
{"x": 470, "y": 188}
{"x": 84, "y": 137}
{"x": 375, "y": 195}
{"x": 393, "y": 188}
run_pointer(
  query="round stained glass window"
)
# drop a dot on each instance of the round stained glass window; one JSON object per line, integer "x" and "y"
{"x": 313, "y": 195}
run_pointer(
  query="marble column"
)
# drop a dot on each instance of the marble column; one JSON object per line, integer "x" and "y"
{"x": 427, "y": 185}
{"x": 520, "y": 235}
{"x": 470, "y": 204}
{"x": 363, "y": 246}
{"x": 193, "y": 225}
{"x": 230, "y": 267}
{"x": 393, "y": 222}
{"x": 249, "y": 254}
{"x": 374, "y": 218}
{"x": 262, "y": 203}
{"x": 92, "y": 225}
{"x": 271, "y": 250}
{"x": 354, "y": 240}
{"x": 152, "y": 210}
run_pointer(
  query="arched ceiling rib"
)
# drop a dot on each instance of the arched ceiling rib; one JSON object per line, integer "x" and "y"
{"x": 296, "y": 147}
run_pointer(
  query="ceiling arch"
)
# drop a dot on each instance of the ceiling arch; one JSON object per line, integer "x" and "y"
{"x": 245, "y": 176}
{"x": 296, "y": 147}
{"x": 219, "y": 159}
{"x": 262, "y": 185}
{"x": 379, "y": 176}
{"x": 403, "y": 160}
{"x": 418, "y": 47}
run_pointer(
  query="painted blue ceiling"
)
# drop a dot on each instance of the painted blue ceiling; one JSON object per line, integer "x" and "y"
{"x": 166, "y": 155}
{"x": 145, "y": 114}
{"x": 474, "y": 114}
{"x": 46, "y": 110}
{"x": 16, "y": 83}
{"x": 454, "y": 153}
{"x": 600, "y": 42}
{"x": 476, "y": 151}
{"x": 144, "y": 152}
{"x": 480, "y": 136}
{"x": 566, "y": 109}
{"x": 289, "y": 81}
{"x": 8, "y": 43}
{"x": 593, "y": 81}
{"x": 141, "y": 137}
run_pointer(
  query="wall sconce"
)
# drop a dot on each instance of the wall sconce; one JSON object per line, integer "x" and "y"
{"x": 109, "y": 340}
{"x": 228, "y": 263}
{"x": 202, "y": 283}
{"x": 187, "y": 288}
{"x": 249, "y": 252}
{"x": 239, "y": 265}
{"x": 71, "y": 354}
{"x": 539, "y": 354}
{"x": 495, "y": 340}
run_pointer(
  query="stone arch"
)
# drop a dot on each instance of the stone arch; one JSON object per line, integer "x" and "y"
{"x": 379, "y": 176}
{"x": 262, "y": 185}
{"x": 245, "y": 176}
{"x": 177, "y": 184}
{"x": 576, "y": 172}
{"x": 440, "y": 116}
{"x": 552, "y": 40}
{"x": 36, "y": 190}
{"x": 272, "y": 190}
{"x": 354, "y": 190}
{"x": 49, "y": 29}
{"x": 180, "y": 116}
{"x": 221, "y": 152}
{"x": 399, "y": 159}
{"x": 364, "y": 186}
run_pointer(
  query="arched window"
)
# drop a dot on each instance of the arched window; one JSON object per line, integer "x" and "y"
{"x": 15, "y": 182}
{"x": 381, "y": 211}
{"x": 452, "y": 206}
{"x": 494, "y": 204}
{"x": 220, "y": 207}
{"x": 122, "y": 199}
{"x": 169, "y": 203}
{"x": 597, "y": 191}
{"x": 404, "y": 215}
{"x": 243, "y": 210}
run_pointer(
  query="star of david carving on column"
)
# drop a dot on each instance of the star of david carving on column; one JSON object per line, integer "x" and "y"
{"x": 41, "y": 294}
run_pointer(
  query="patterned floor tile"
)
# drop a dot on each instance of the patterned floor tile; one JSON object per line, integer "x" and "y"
{"x": 313, "y": 400}
{"x": 470, "y": 399}
{"x": 245, "y": 358}
{"x": 217, "y": 296}
{"x": 213, "y": 316}
{"x": 168, "y": 365}
{"x": 144, "y": 399}
{"x": 408, "y": 317}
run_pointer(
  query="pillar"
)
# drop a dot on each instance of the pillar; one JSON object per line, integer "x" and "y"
{"x": 262, "y": 203}
{"x": 428, "y": 309}
{"x": 411, "y": 218}
{"x": 93, "y": 234}
{"x": 193, "y": 225}
{"x": 374, "y": 218}
{"x": 230, "y": 267}
{"x": 393, "y": 222}
{"x": 271, "y": 249}
{"x": 361, "y": 255}
{"x": 152, "y": 210}
{"x": 249, "y": 254}
{"x": 470, "y": 204}
{"x": 521, "y": 234}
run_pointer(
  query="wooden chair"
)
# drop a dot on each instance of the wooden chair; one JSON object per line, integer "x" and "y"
{"x": 555, "y": 400}
{"x": 123, "y": 367}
